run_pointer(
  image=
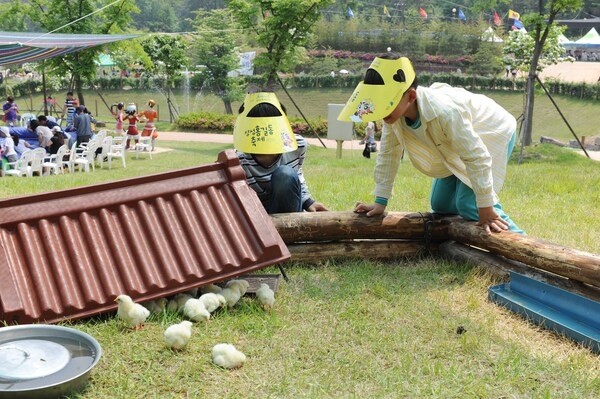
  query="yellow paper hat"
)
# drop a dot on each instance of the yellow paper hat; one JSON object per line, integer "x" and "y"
{"x": 372, "y": 102}
{"x": 263, "y": 134}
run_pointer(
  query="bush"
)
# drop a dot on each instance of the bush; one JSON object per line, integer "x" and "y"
{"x": 206, "y": 121}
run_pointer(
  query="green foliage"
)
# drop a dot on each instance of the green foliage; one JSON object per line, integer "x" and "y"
{"x": 206, "y": 121}
{"x": 520, "y": 46}
{"x": 168, "y": 54}
{"x": 280, "y": 26}
{"x": 215, "y": 50}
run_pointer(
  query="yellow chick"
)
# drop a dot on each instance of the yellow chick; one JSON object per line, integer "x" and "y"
{"x": 242, "y": 285}
{"x": 178, "y": 335}
{"x": 156, "y": 306}
{"x": 212, "y": 301}
{"x": 265, "y": 296}
{"x": 227, "y": 356}
{"x": 133, "y": 314}
{"x": 232, "y": 295}
{"x": 215, "y": 289}
{"x": 181, "y": 300}
{"x": 194, "y": 310}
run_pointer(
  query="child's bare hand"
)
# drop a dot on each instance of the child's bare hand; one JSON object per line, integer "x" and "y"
{"x": 369, "y": 209}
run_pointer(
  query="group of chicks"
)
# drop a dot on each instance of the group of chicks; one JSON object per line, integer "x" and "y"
{"x": 195, "y": 309}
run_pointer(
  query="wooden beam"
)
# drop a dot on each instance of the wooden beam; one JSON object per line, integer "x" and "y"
{"x": 566, "y": 262}
{"x": 428, "y": 229}
{"x": 331, "y": 226}
{"x": 367, "y": 249}
{"x": 501, "y": 266}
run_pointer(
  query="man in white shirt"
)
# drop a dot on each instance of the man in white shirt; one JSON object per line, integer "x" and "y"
{"x": 462, "y": 140}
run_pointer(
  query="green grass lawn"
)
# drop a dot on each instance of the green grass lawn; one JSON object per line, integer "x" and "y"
{"x": 356, "y": 328}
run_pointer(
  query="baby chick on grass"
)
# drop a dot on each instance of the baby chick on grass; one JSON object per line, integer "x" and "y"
{"x": 227, "y": 356}
{"x": 133, "y": 314}
{"x": 265, "y": 296}
{"x": 178, "y": 335}
{"x": 212, "y": 301}
{"x": 195, "y": 310}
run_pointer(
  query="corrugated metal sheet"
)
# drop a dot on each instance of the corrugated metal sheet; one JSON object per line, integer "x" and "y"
{"x": 68, "y": 254}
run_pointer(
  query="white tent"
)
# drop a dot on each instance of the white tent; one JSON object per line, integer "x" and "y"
{"x": 490, "y": 36}
{"x": 562, "y": 39}
{"x": 592, "y": 37}
{"x": 590, "y": 40}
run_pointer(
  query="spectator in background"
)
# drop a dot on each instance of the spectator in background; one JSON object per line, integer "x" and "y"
{"x": 69, "y": 108}
{"x": 83, "y": 125}
{"x": 20, "y": 145}
{"x": 11, "y": 112}
{"x": 43, "y": 132}
{"x": 7, "y": 144}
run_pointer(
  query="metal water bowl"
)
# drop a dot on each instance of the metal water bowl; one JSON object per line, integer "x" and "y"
{"x": 45, "y": 361}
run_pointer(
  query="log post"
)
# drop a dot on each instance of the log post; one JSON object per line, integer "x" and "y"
{"x": 367, "y": 249}
{"x": 332, "y": 226}
{"x": 566, "y": 262}
{"x": 500, "y": 267}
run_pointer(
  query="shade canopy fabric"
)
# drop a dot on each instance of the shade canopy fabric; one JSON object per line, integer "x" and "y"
{"x": 20, "y": 47}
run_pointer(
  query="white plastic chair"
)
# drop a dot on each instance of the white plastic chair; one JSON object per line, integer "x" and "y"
{"x": 21, "y": 166}
{"x": 117, "y": 150}
{"x": 87, "y": 157}
{"x": 25, "y": 118}
{"x": 106, "y": 149}
{"x": 54, "y": 163}
{"x": 144, "y": 145}
{"x": 36, "y": 166}
{"x": 70, "y": 163}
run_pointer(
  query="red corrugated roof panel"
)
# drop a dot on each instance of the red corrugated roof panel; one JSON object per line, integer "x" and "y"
{"x": 68, "y": 254}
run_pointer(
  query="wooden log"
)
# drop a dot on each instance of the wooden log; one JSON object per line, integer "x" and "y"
{"x": 501, "y": 266}
{"x": 571, "y": 263}
{"x": 326, "y": 226}
{"x": 367, "y": 249}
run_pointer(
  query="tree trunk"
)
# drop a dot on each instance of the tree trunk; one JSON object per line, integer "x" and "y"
{"x": 228, "y": 108}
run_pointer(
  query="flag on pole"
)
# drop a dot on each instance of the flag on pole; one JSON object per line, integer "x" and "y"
{"x": 514, "y": 15}
{"x": 517, "y": 24}
{"x": 386, "y": 12}
{"x": 422, "y": 13}
{"x": 461, "y": 15}
{"x": 497, "y": 20}
{"x": 350, "y": 13}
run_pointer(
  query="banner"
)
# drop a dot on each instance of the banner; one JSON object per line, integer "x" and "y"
{"x": 422, "y": 13}
{"x": 497, "y": 20}
{"x": 386, "y": 12}
{"x": 514, "y": 15}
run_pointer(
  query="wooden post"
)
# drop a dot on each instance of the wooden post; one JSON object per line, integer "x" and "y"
{"x": 330, "y": 226}
{"x": 338, "y": 152}
{"x": 428, "y": 230}
{"x": 566, "y": 262}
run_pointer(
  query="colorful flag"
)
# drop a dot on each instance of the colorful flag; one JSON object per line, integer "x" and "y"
{"x": 422, "y": 13}
{"x": 518, "y": 24}
{"x": 386, "y": 12}
{"x": 350, "y": 13}
{"x": 514, "y": 15}
{"x": 461, "y": 15}
{"x": 497, "y": 20}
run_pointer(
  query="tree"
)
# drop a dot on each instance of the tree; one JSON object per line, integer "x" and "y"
{"x": 281, "y": 26}
{"x": 544, "y": 31}
{"x": 168, "y": 55}
{"x": 215, "y": 50}
{"x": 78, "y": 16}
